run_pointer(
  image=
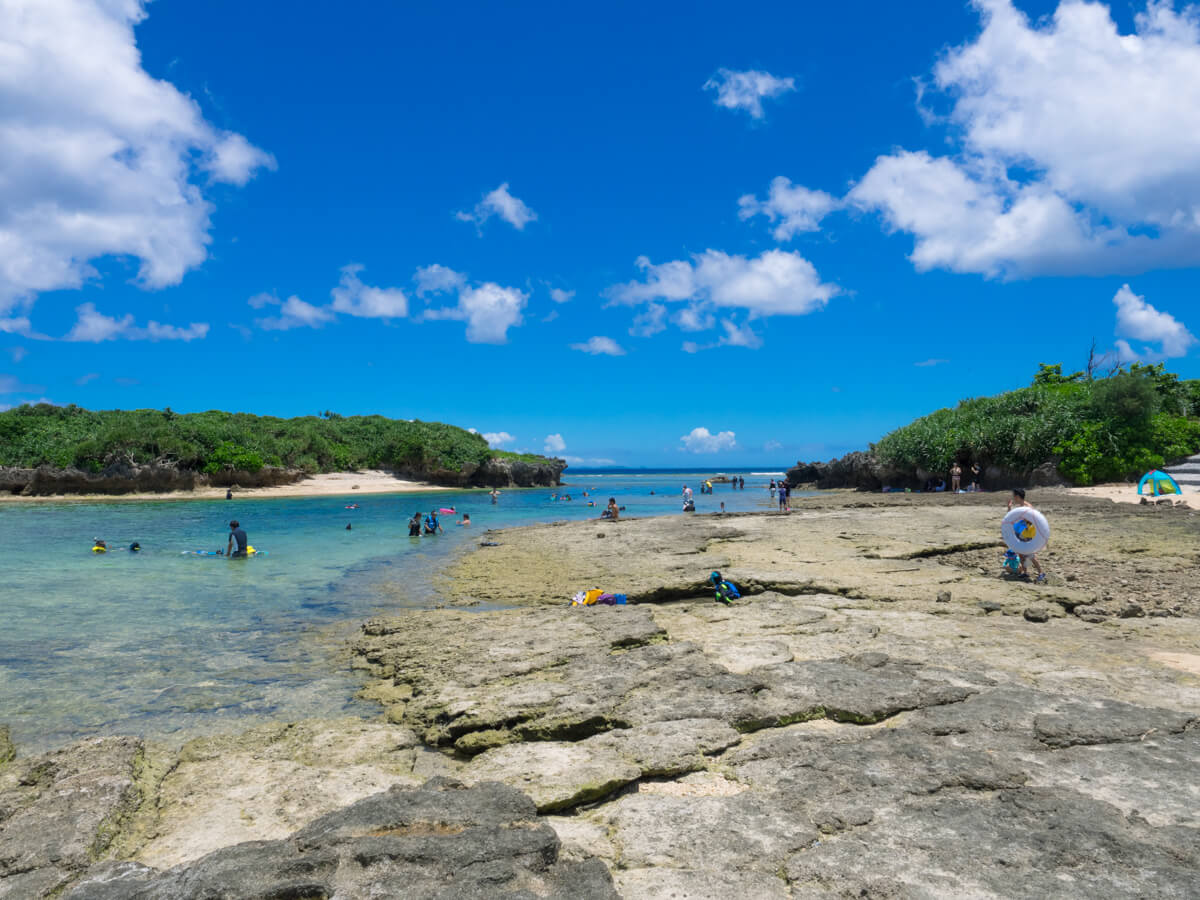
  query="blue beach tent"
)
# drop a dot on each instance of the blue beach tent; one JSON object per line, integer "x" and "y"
{"x": 1158, "y": 483}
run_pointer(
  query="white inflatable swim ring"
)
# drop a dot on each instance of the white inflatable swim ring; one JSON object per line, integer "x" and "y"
{"x": 1025, "y": 530}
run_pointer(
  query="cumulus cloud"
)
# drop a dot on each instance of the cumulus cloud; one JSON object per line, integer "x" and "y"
{"x": 795, "y": 208}
{"x": 293, "y": 313}
{"x": 85, "y": 379}
{"x": 499, "y": 203}
{"x": 746, "y": 90}
{"x": 701, "y": 440}
{"x": 777, "y": 282}
{"x": 353, "y": 298}
{"x": 498, "y": 438}
{"x": 17, "y": 353}
{"x": 650, "y": 321}
{"x": 554, "y": 444}
{"x": 110, "y": 158}
{"x": 600, "y": 346}
{"x": 735, "y": 336}
{"x": 438, "y": 279}
{"x": 488, "y": 309}
{"x": 1078, "y": 148}
{"x": 92, "y": 326}
{"x": 1138, "y": 320}
{"x": 558, "y": 295}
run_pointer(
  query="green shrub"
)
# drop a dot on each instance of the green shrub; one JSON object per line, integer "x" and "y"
{"x": 216, "y": 441}
{"x": 1103, "y": 430}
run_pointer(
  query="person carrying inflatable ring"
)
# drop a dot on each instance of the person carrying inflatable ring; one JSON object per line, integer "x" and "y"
{"x": 1025, "y": 530}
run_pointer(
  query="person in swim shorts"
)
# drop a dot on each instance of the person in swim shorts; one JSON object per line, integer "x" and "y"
{"x": 236, "y": 533}
{"x": 1018, "y": 499}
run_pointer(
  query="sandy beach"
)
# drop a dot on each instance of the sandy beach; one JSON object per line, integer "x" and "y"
{"x": 1127, "y": 493}
{"x": 332, "y": 484}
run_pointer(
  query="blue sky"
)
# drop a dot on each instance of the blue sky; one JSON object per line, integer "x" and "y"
{"x": 661, "y": 235}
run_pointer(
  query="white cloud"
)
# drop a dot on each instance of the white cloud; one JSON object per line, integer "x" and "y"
{"x": 796, "y": 208}
{"x": 600, "y": 346}
{"x": 93, "y": 326}
{"x": 746, "y": 90}
{"x": 353, "y": 298}
{"x": 650, "y": 321}
{"x": 293, "y": 313}
{"x": 16, "y": 325}
{"x": 498, "y": 438}
{"x": 927, "y": 363}
{"x": 739, "y": 336}
{"x": 1138, "y": 320}
{"x": 488, "y": 309}
{"x": 84, "y": 379}
{"x": 772, "y": 446}
{"x": 17, "y": 353}
{"x": 589, "y": 461}
{"x": 701, "y": 440}
{"x": 9, "y": 384}
{"x": 438, "y": 279}
{"x": 499, "y": 203}
{"x": 558, "y": 295}
{"x": 109, "y": 157}
{"x": 775, "y": 283}
{"x": 554, "y": 444}
{"x": 735, "y": 336}
{"x": 1079, "y": 148}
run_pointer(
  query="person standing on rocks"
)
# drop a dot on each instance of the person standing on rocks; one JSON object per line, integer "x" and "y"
{"x": 955, "y": 477}
{"x": 1018, "y": 499}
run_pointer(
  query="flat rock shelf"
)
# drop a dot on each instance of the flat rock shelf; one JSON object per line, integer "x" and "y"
{"x": 880, "y": 716}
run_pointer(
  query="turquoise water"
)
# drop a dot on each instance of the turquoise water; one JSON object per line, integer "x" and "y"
{"x": 169, "y": 646}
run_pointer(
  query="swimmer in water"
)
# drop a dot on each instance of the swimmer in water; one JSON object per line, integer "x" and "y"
{"x": 465, "y": 520}
{"x": 236, "y": 533}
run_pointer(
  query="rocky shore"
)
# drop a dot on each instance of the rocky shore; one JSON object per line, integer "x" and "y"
{"x": 881, "y": 716}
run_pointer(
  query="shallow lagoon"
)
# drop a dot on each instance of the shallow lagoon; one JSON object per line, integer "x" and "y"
{"x": 161, "y": 644}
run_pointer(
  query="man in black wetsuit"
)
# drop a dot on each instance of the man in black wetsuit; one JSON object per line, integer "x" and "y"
{"x": 236, "y": 534}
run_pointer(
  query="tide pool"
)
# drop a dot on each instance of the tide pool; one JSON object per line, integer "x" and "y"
{"x": 169, "y": 646}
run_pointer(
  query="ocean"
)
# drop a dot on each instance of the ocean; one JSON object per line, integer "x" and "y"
{"x": 170, "y": 646}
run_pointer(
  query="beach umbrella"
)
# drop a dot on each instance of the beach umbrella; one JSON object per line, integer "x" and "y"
{"x": 1158, "y": 483}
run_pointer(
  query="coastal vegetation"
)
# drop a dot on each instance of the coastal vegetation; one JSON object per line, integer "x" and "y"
{"x": 1094, "y": 429}
{"x": 213, "y": 442}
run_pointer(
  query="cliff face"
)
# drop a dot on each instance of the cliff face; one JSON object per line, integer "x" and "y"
{"x": 164, "y": 477}
{"x": 863, "y": 472}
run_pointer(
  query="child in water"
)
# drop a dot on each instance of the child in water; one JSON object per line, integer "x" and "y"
{"x": 465, "y": 520}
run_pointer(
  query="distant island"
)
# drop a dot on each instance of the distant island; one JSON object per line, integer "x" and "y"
{"x": 1077, "y": 429}
{"x": 47, "y": 449}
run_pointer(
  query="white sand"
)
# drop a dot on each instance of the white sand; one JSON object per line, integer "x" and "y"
{"x": 332, "y": 484}
{"x": 1127, "y": 493}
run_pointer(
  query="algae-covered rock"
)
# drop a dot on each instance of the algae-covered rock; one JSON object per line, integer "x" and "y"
{"x": 439, "y": 840}
{"x": 63, "y": 810}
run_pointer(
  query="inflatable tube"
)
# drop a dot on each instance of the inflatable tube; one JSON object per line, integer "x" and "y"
{"x": 447, "y": 510}
{"x": 1025, "y": 530}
